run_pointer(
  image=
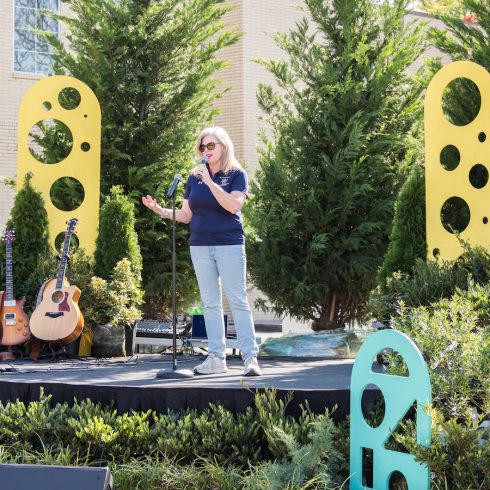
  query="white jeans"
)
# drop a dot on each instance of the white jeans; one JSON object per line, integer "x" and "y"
{"x": 227, "y": 264}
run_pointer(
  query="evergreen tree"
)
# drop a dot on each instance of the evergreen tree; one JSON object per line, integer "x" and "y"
{"x": 407, "y": 239}
{"x": 29, "y": 219}
{"x": 150, "y": 64}
{"x": 323, "y": 202}
{"x": 117, "y": 238}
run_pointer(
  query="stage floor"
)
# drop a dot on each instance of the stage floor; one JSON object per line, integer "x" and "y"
{"x": 131, "y": 383}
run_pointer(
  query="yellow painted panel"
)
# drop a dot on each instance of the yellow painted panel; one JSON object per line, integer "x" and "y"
{"x": 84, "y": 123}
{"x": 442, "y": 184}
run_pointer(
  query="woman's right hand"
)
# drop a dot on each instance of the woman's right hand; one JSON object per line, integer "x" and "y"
{"x": 152, "y": 204}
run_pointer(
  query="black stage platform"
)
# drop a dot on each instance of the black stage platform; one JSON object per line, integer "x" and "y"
{"x": 130, "y": 383}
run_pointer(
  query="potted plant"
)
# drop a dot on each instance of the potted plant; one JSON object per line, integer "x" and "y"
{"x": 112, "y": 310}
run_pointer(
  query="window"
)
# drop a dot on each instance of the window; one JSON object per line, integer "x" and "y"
{"x": 31, "y": 51}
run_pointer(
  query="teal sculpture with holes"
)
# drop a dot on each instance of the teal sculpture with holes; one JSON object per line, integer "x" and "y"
{"x": 400, "y": 393}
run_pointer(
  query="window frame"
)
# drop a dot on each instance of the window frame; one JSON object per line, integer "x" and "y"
{"x": 36, "y": 73}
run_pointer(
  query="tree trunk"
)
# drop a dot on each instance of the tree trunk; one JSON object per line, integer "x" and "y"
{"x": 329, "y": 318}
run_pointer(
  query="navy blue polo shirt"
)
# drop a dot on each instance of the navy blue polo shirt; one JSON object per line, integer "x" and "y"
{"x": 211, "y": 223}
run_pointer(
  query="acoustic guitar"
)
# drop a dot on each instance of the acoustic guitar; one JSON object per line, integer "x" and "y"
{"x": 57, "y": 317}
{"x": 15, "y": 324}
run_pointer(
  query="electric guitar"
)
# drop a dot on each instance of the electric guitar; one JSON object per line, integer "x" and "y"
{"x": 57, "y": 317}
{"x": 15, "y": 324}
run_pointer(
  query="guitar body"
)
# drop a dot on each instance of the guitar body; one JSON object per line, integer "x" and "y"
{"x": 57, "y": 317}
{"x": 15, "y": 324}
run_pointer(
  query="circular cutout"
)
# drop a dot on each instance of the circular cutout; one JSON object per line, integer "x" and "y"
{"x": 85, "y": 146}
{"x": 455, "y": 215}
{"x": 478, "y": 176}
{"x": 436, "y": 253}
{"x": 482, "y": 137}
{"x": 60, "y": 238}
{"x": 69, "y": 98}
{"x": 450, "y": 157}
{"x": 67, "y": 193}
{"x": 485, "y": 220}
{"x": 461, "y": 101}
{"x": 50, "y": 141}
{"x": 373, "y": 405}
{"x": 47, "y": 105}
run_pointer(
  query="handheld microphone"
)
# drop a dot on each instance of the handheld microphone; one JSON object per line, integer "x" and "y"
{"x": 173, "y": 185}
{"x": 204, "y": 160}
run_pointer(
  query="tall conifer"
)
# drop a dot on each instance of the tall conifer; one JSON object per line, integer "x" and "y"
{"x": 408, "y": 237}
{"x": 150, "y": 64}
{"x": 330, "y": 170}
{"x": 117, "y": 238}
{"x": 29, "y": 219}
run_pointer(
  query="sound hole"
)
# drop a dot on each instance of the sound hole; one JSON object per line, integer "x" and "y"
{"x": 57, "y": 296}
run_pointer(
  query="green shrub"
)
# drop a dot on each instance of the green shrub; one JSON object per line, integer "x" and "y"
{"x": 430, "y": 281}
{"x": 30, "y": 222}
{"x": 218, "y": 449}
{"x": 271, "y": 414}
{"x": 458, "y": 457}
{"x": 453, "y": 341}
{"x": 407, "y": 240}
{"x": 117, "y": 238}
{"x": 115, "y": 301}
{"x": 308, "y": 462}
{"x": 427, "y": 282}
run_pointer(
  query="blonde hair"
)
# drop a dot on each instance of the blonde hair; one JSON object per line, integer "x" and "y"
{"x": 228, "y": 160}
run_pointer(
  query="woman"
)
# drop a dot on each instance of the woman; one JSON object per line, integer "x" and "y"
{"x": 214, "y": 195}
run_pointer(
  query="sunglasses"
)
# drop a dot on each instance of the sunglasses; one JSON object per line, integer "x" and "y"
{"x": 209, "y": 146}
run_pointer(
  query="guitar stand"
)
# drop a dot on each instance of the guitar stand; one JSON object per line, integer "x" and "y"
{"x": 12, "y": 353}
{"x": 62, "y": 353}
{"x": 6, "y": 355}
{"x": 52, "y": 350}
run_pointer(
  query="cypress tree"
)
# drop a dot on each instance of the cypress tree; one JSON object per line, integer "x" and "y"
{"x": 117, "y": 238}
{"x": 407, "y": 239}
{"x": 29, "y": 219}
{"x": 151, "y": 65}
{"x": 329, "y": 173}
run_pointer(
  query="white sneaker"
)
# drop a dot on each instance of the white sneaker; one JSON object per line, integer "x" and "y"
{"x": 211, "y": 365}
{"x": 252, "y": 367}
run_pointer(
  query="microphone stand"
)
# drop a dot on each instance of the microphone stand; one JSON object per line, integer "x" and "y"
{"x": 174, "y": 373}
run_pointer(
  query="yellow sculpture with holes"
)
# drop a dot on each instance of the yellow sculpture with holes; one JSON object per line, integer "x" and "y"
{"x": 457, "y": 163}
{"x": 71, "y": 102}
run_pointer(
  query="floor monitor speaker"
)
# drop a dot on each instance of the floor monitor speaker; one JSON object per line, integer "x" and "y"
{"x": 40, "y": 477}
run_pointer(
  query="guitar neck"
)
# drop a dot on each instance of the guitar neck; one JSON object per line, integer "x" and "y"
{"x": 9, "y": 278}
{"x": 64, "y": 257}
